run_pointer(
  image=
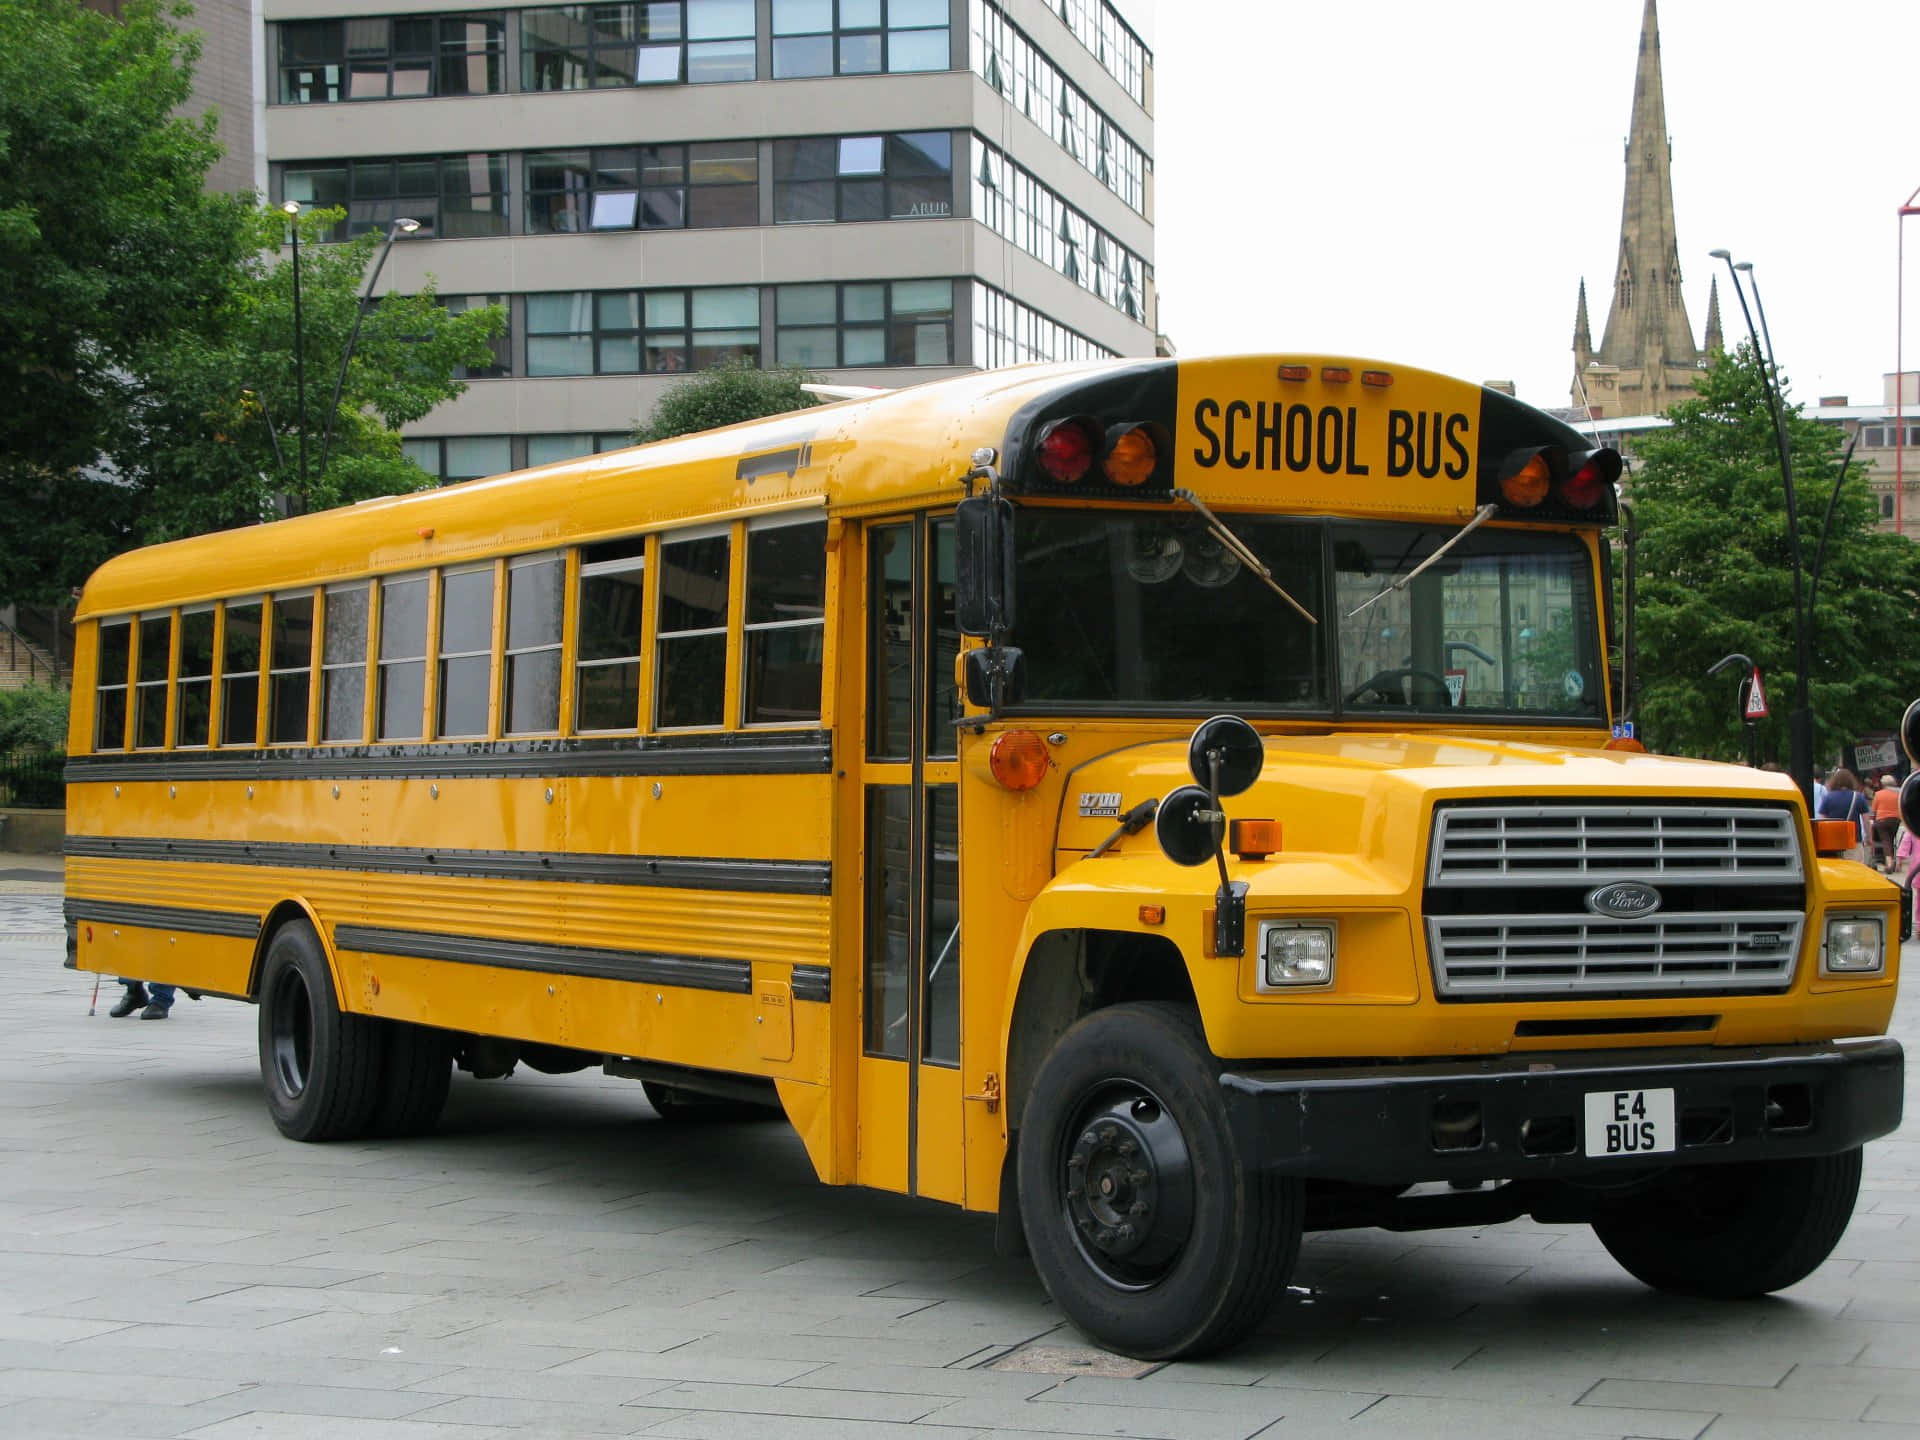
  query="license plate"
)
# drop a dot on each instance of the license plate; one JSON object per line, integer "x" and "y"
{"x": 1630, "y": 1122}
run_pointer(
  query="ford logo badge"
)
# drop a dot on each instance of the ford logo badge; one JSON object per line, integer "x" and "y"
{"x": 1624, "y": 900}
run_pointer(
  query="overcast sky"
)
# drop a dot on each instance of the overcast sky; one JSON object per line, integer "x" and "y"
{"x": 1427, "y": 181}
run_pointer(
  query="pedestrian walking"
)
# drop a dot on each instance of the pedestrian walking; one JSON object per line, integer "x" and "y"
{"x": 152, "y": 1000}
{"x": 1886, "y": 821}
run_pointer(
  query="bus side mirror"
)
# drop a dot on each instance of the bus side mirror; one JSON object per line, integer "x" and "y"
{"x": 983, "y": 566}
{"x": 999, "y": 668}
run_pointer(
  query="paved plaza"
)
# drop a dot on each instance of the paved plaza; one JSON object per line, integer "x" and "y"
{"x": 558, "y": 1262}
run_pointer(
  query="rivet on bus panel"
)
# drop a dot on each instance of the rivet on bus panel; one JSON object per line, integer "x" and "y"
{"x": 656, "y": 789}
{"x": 336, "y": 792}
{"x": 173, "y": 792}
{"x": 249, "y": 792}
{"x": 1057, "y": 737}
{"x": 549, "y": 794}
{"x": 433, "y": 792}
{"x": 116, "y": 792}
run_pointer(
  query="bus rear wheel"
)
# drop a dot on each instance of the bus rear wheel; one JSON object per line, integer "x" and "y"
{"x": 1146, "y": 1225}
{"x": 321, "y": 1065}
{"x": 1731, "y": 1232}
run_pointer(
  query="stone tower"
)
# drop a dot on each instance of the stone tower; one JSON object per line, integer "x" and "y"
{"x": 1647, "y": 358}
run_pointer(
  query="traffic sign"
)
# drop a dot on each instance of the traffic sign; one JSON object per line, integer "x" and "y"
{"x": 1756, "y": 705}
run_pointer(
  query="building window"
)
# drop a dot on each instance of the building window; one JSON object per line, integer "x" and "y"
{"x": 240, "y": 674}
{"x": 343, "y": 664}
{"x": 785, "y": 624}
{"x": 501, "y": 345}
{"x": 650, "y": 42}
{"x": 466, "y": 652}
{"x": 461, "y": 457}
{"x": 290, "y": 672}
{"x": 606, "y": 677}
{"x": 863, "y": 177}
{"x": 620, "y": 332}
{"x": 1013, "y": 204}
{"x": 899, "y": 322}
{"x": 644, "y": 187}
{"x": 691, "y": 676}
{"x": 391, "y": 57}
{"x": 193, "y": 687}
{"x": 1005, "y": 332}
{"x": 452, "y": 196}
{"x": 858, "y": 37}
{"x": 401, "y": 703}
{"x": 110, "y": 696}
{"x": 1886, "y": 507}
{"x": 530, "y": 695}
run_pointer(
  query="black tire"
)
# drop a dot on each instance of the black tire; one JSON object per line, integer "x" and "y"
{"x": 1148, "y": 1228}
{"x": 1730, "y": 1232}
{"x": 416, "y": 1069}
{"x": 321, "y": 1066}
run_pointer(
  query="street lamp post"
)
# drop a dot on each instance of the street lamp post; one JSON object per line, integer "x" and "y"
{"x": 1800, "y": 721}
{"x": 292, "y": 211}
{"x": 405, "y": 225}
{"x": 1899, "y": 360}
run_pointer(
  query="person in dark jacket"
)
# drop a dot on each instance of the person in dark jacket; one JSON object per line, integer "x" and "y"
{"x": 1844, "y": 800}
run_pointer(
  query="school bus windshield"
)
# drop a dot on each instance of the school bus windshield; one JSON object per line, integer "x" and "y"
{"x": 1149, "y": 609}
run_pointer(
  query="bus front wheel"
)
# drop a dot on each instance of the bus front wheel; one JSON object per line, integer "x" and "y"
{"x": 1147, "y": 1227}
{"x": 321, "y": 1066}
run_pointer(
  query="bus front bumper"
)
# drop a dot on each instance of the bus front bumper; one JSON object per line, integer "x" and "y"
{"x": 1530, "y": 1115}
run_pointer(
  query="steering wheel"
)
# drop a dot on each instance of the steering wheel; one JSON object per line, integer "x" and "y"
{"x": 1380, "y": 680}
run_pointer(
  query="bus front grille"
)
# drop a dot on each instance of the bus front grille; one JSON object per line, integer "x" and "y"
{"x": 1592, "y": 842}
{"x": 1482, "y": 957}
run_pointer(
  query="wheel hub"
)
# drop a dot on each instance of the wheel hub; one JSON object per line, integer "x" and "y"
{"x": 1129, "y": 1185}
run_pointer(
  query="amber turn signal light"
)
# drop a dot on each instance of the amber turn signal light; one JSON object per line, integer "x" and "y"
{"x": 1018, "y": 759}
{"x": 1253, "y": 839}
{"x": 1835, "y": 837}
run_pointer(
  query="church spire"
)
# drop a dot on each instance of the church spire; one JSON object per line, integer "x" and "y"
{"x": 1582, "y": 332}
{"x": 1714, "y": 342}
{"x": 1648, "y": 343}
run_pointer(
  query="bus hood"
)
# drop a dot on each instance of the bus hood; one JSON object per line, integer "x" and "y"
{"x": 1367, "y": 797}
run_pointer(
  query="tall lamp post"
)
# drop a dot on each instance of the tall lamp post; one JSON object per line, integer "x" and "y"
{"x": 404, "y": 225}
{"x": 292, "y": 210}
{"x": 1800, "y": 721}
{"x": 1899, "y": 361}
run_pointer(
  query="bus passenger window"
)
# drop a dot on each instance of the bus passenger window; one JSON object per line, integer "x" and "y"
{"x": 343, "y": 664}
{"x": 943, "y": 701}
{"x": 785, "y": 623}
{"x": 240, "y": 675}
{"x": 150, "y": 691}
{"x": 466, "y": 651}
{"x": 290, "y": 677}
{"x": 692, "y": 673}
{"x": 193, "y": 687}
{"x": 606, "y": 677}
{"x": 530, "y": 701}
{"x": 110, "y": 695}
{"x": 403, "y": 657}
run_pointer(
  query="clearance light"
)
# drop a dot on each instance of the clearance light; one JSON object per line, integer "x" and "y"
{"x": 1018, "y": 759}
{"x": 1153, "y": 914}
{"x": 1377, "y": 379}
{"x": 1296, "y": 372}
{"x": 1253, "y": 839}
{"x": 1592, "y": 474}
{"x": 1835, "y": 837}
{"x": 1336, "y": 374}
{"x": 1527, "y": 486}
{"x": 1132, "y": 456}
{"x": 1066, "y": 450}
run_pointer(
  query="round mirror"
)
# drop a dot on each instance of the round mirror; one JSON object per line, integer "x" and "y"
{"x": 1184, "y": 837}
{"x": 1910, "y": 732}
{"x": 1238, "y": 746}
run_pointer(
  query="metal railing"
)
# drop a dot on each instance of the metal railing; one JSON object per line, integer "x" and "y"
{"x": 33, "y": 779}
{"x": 23, "y": 654}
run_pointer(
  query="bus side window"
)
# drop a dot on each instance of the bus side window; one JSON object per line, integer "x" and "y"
{"x": 466, "y": 651}
{"x": 606, "y": 677}
{"x": 530, "y": 697}
{"x": 290, "y": 669}
{"x": 786, "y": 622}
{"x": 240, "y": 675}
{"x": 343, "y": 663}
{"x": 691, "y": 677}
{"x": 150, "y": 689}
{"x": 115, "y": 651}
{"x": 403, "y": 657}
{"x": 193, "y": 687}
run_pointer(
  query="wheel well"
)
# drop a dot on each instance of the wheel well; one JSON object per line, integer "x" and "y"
{"x": 278, "y": 918}
{"x": 1071, "y": 973}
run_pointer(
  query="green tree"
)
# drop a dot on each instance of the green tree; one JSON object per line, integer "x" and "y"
{"x": 728, "y": 394}
{"x": 107, "y": 244}
{"x": 214, "y": 439}
{"x": 1716, "y": 577}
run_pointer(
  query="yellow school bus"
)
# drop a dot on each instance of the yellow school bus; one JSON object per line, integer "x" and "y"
{"x": 1170, "y": 804}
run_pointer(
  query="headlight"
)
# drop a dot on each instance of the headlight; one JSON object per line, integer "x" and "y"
{"x": 1856, "y": 945}
{"x": 1296, "y": 954}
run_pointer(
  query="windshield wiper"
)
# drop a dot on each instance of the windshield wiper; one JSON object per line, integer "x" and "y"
{"x": 1217, "y": 528}
{"x": 1480, "y": 517}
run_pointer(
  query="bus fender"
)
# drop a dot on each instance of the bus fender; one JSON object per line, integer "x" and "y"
{"x": 295, "y": 907}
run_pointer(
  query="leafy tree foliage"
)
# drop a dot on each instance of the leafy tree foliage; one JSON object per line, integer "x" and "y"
{"x": 1716, "y": 577}
{"x": 725, "y": 395}
{"x": 33, "y": 717}
{"x": 107, "y": 244}
{"x": 214, "y": 439}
